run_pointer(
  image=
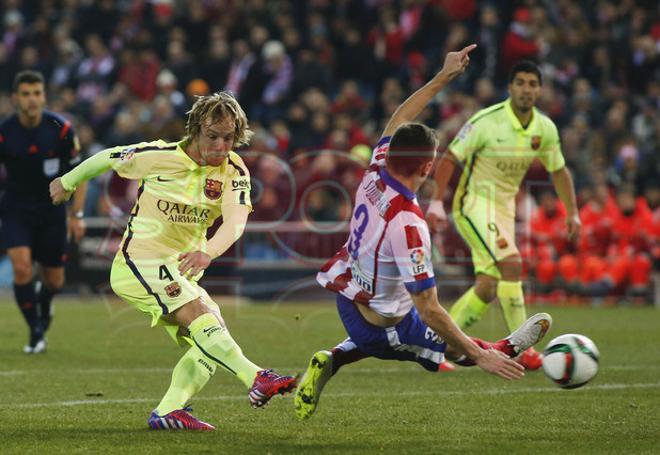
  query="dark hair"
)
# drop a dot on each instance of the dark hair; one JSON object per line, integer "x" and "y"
{"x": 27, "y": 77}
{"x": 412, "y": 146}
{"x": 525, "y": 66}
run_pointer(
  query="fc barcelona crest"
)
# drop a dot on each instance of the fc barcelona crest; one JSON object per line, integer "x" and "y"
{"x": 536, "y": 142}
{"x": 213, "y": 189}
{"x": 173, "y": 290}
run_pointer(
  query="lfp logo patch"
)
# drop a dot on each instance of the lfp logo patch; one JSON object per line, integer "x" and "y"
{"x": 417, "y": 256}
{"x": 213, "y": 189}
{"x": 127, "y": 154}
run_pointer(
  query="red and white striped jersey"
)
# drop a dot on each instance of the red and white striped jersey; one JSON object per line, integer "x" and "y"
{"x": 388, "y": 252}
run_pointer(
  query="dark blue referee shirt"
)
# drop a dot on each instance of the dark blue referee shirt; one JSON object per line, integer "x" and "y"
{"x": 33, "y": 157}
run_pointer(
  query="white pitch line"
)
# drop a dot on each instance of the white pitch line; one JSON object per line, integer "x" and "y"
{"x": 348, "y": 370}
{"x": 508, "y": 391}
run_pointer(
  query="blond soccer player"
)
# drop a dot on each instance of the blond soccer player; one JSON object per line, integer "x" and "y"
{"x": 184, "y": 187}
{"x": 496, "y": 147}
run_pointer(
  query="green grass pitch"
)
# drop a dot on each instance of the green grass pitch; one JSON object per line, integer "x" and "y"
{"x": 106, "y": 369}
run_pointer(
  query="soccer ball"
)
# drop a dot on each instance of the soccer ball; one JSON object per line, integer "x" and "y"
{"x": 570, "y": 360}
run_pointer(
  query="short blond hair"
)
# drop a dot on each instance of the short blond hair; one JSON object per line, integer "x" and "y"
{"x": 216, "y": 107}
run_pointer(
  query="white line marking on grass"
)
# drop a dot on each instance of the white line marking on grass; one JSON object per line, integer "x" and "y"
{"x": 350, "y": 370}
{"x": 430, "y": 394}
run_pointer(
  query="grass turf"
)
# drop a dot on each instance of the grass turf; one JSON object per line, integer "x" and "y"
{"x": 105, "y": 370}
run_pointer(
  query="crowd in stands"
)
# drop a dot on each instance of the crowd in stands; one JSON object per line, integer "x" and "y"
{"x": 318, "y": 78}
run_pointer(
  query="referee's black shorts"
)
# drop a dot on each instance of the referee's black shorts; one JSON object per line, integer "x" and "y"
{"x": 41, "y": 227}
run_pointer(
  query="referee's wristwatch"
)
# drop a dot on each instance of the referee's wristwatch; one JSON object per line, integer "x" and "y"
{"x": 77, "y": 215}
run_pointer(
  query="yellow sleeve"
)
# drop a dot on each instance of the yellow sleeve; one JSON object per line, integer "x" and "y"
{"x": 237, "y": 183}
{"x": 137, "y": 160}
{"x": 130, "y": 161}
{"x": 467, "y": 141}
{"x": 551, "y": 156}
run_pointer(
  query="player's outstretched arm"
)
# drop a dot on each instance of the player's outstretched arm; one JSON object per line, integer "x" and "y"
{"x": 455, "y": 63}
{"x": 58, "y": 194}
{"x": 563, "y": 183}
{"x": 440, "y": 322}
{"x": 76, "y": 225}
{"x": 234, "y": 219}
{"x": 62, "y": 187}
{"x": 435, "y": 214}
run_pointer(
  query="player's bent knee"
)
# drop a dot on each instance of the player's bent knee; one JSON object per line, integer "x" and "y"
{"x": 510, "y": 268}
{"x": 189, "y": 312}
{"x": 486, "y": 287}
{"x": 54, "y": 284}
{"x": 22, "y": 272}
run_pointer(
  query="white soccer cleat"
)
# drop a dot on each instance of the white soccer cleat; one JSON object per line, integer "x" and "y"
{"x": 530, "y": 332}
{"x": 38, "y": 347}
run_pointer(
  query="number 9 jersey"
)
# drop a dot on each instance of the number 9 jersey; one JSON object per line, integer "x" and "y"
{"x": 388, "y": 253}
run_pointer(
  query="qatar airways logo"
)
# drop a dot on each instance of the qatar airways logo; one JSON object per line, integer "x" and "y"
{"x": 183, "y": 213}
{"x": 513, "y": 167}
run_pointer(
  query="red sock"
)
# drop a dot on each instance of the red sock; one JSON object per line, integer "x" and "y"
{"x": 502, "y": 345}
{"x": 341, "y": 357}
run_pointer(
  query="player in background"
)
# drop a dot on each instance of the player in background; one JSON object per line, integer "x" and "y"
{"x": 184, "y": 187}
{"x": 383, "y": 276}
{"x": 496, "y": 147}
{"x": 37, "y": 146}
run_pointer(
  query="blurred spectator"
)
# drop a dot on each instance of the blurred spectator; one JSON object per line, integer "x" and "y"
{"x": 241, "y": 62}
{"x": 96, "y": 72}
{"x": 267, "y": 83}
{"x": 549, "y": 241}
{"x": 310, "y": 73}
{"x": 8, "y": 68}
{"x": 197, "y": 87}
{"x": 349, "y": 101}
{"x": 629, "y": 261}
{"x": 167, "y": 87}
{"x": 68, "y": 58}
{"x": 278, "y": 68}
{"x": 125, "y": 130}
{"x": 180, "y": 62}
{"x": 519, "y": 42}
{"x": 489, "y": 35}
{"x": 216, "y": 65}
{"x": 272, "y": 188}
{"x": 355, "y": 60}
{"x": 139, "y": 70}
{"x": 13, "y": 31}
{"x": 164, "y": 122}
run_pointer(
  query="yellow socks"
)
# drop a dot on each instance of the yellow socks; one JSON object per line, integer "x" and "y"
{"x": 468, "y": 309}
{"x": 216, "y": 343}
{"x": 512, "y": 300}
{"x": 190, "y": 375}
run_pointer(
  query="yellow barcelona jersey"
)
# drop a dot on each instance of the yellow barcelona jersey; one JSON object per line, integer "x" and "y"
{"x": 497, "y": 152}
{"x": 177, "y": 201}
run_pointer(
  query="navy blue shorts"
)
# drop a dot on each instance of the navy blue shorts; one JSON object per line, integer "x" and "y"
{"x": 410, "y": 339}
{"x": 41, "y": 228}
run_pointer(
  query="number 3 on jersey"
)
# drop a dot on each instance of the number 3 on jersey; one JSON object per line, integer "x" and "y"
{"x": 362, "y": 218}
